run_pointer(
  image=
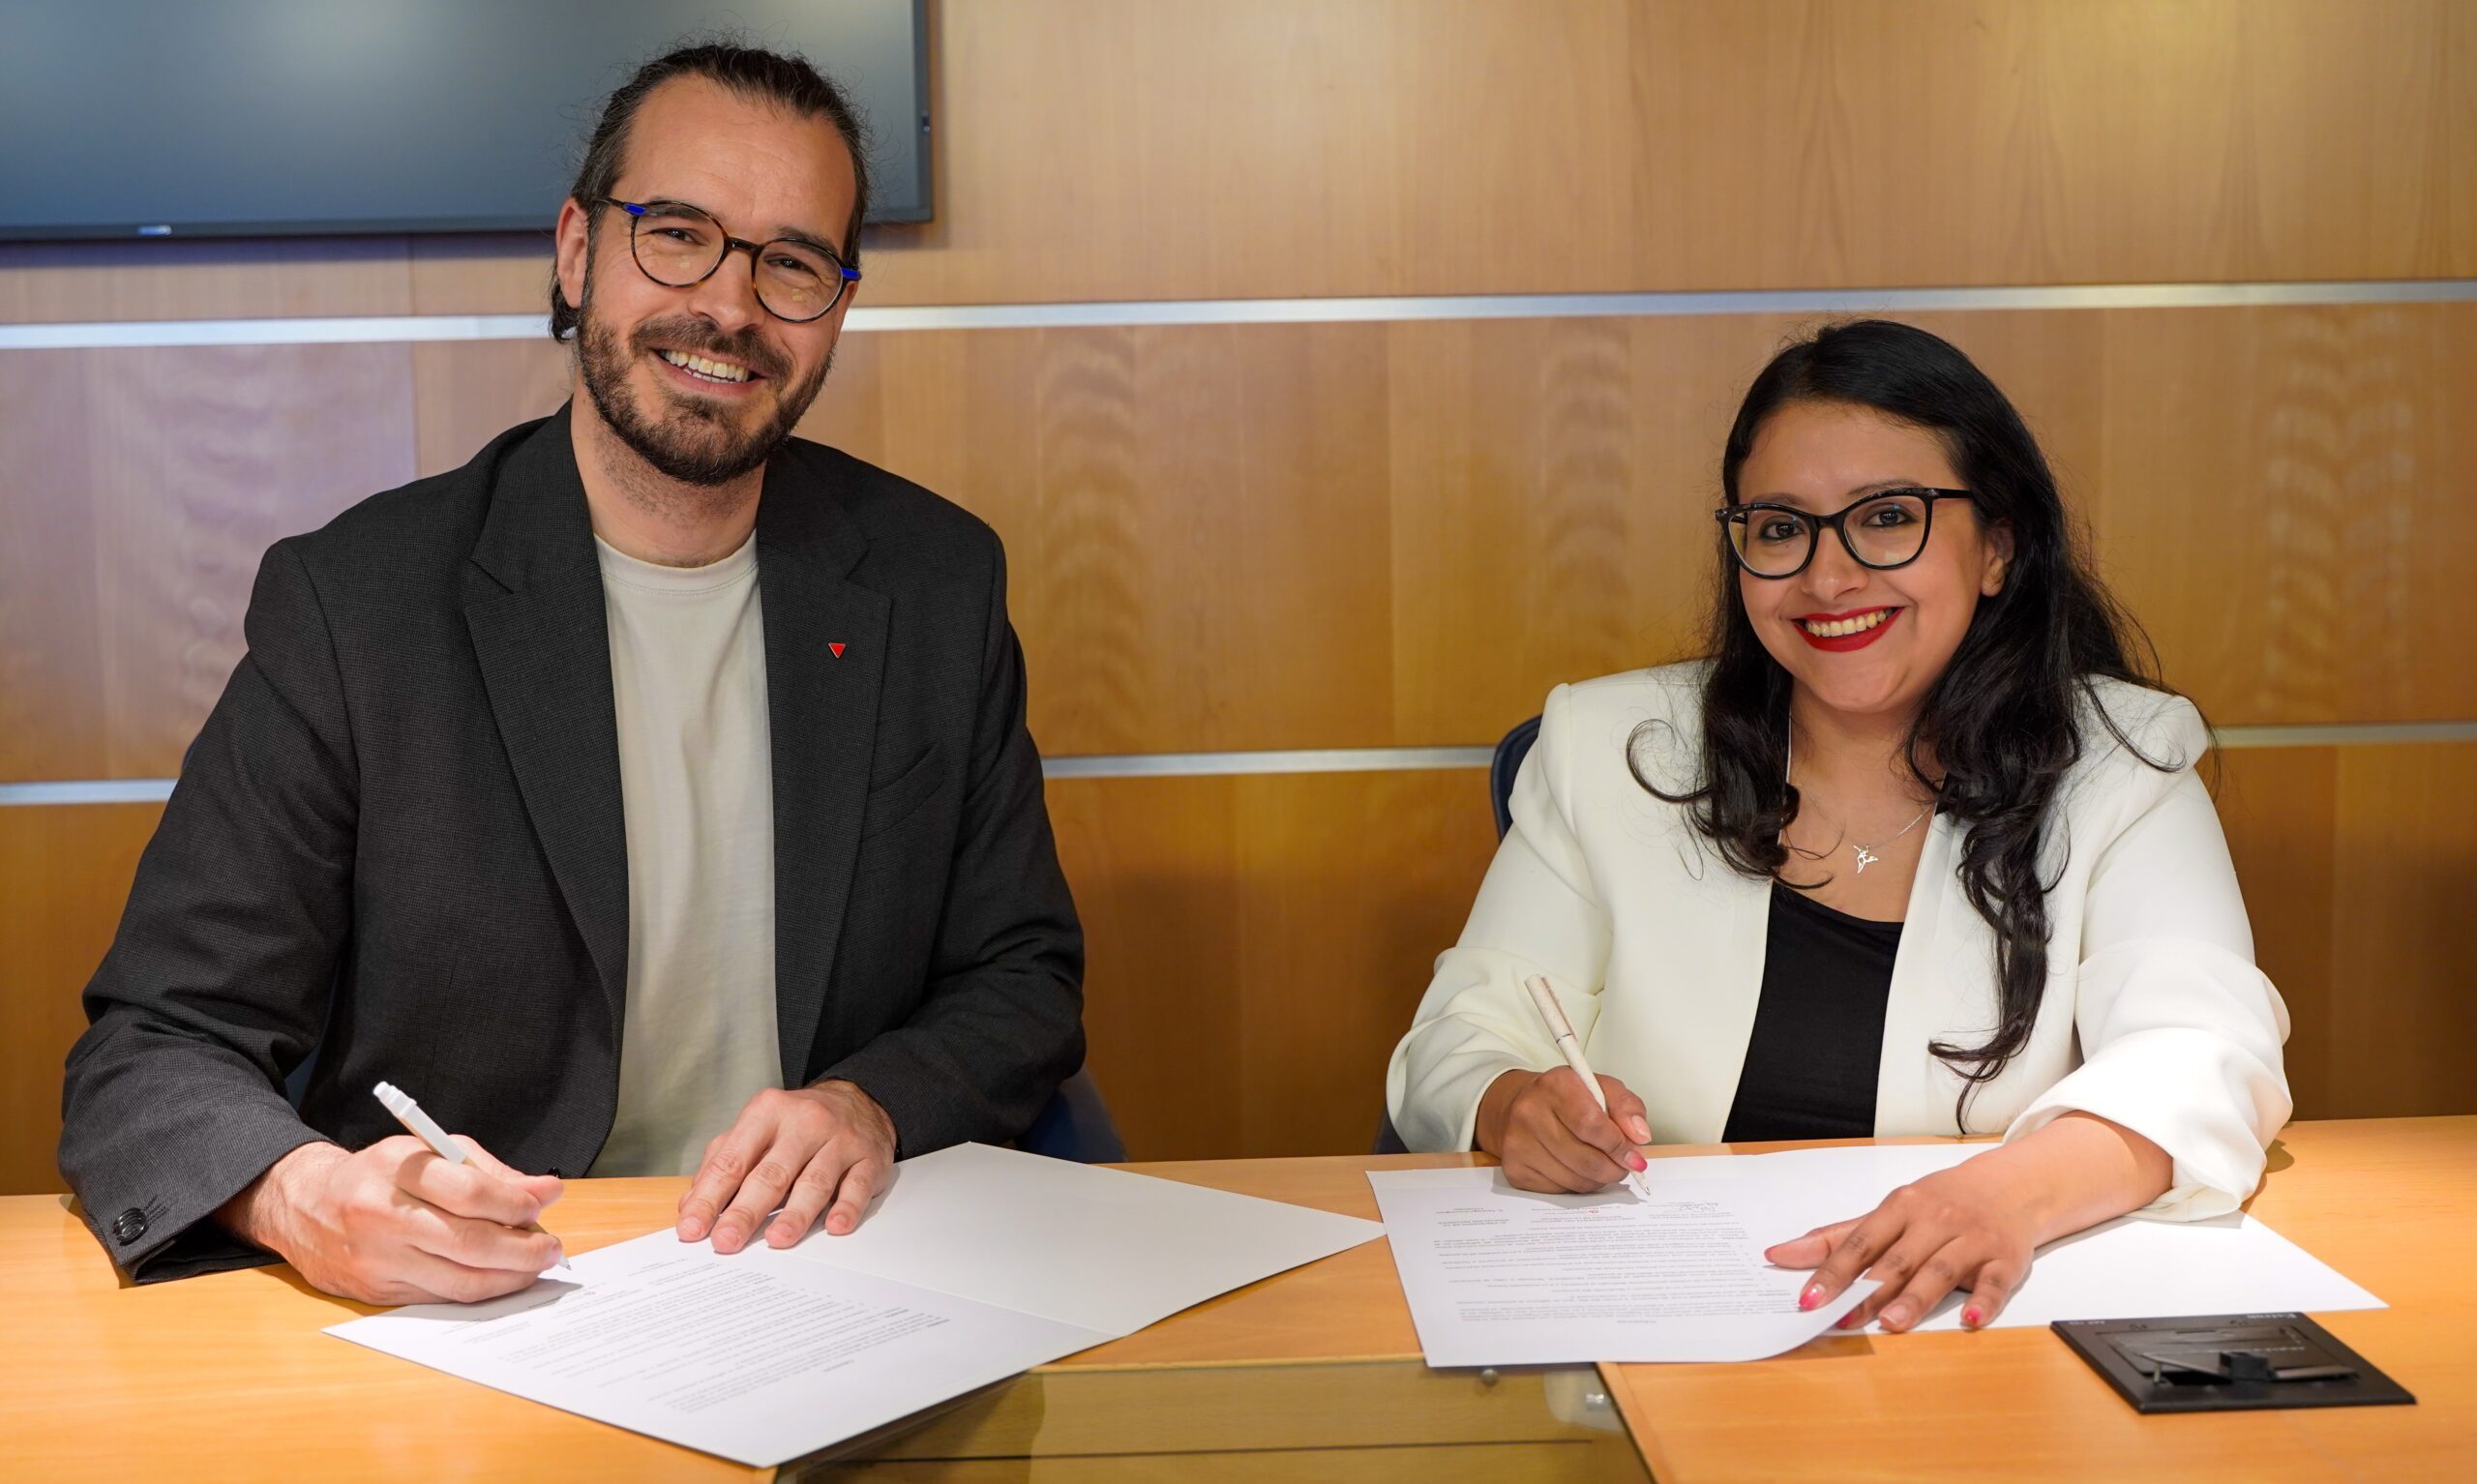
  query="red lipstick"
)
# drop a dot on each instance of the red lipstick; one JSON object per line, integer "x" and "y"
{"x": 1847, "y": 641}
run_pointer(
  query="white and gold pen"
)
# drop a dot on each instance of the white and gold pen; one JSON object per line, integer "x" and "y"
{"x": 1562, "y": 1031}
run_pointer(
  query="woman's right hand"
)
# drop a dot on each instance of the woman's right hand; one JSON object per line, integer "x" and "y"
{"x": 1550, "y": 1136}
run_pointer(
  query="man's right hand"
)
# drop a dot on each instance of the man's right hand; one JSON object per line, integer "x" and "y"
{"x": 394, "y": 1223}
{"x": 1550, "y": 1136}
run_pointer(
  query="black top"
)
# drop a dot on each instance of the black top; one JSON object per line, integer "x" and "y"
{"x": 1819, "y": 1027}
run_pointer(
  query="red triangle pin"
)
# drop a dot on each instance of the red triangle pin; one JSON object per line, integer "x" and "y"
{"x": 837, "y": 648}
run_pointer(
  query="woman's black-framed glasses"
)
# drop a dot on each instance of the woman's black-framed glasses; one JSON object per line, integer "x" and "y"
{"x": 679, "y": 246}
{"x": 1884, "y": 530}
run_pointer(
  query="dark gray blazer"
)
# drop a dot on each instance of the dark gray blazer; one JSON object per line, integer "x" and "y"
{"x": 398, "y": 841}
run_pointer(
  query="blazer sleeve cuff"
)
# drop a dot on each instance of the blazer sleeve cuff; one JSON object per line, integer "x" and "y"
{"x": 2211, "y": 1107}
{"x": 1445, "y": 1119}
{"x": 934, "y": 1102}
{"x": 157, "y": 1227}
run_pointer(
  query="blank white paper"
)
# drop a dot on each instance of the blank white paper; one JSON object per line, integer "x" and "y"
{"x": 2134, "y": 1267}
{"x": 1106, "y": 1249}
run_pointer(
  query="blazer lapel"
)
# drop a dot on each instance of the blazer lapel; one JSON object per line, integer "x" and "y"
{"x": 1735, "y": 911}
{"x": 534, "y": 606}
{"x": 1941, "y": 991}
{"x": 825, "y": 646}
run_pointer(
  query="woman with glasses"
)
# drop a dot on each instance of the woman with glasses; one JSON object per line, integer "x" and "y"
{"x": 1919, "y": 848}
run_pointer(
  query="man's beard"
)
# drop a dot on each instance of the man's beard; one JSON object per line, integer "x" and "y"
{"x": 691, "y": 441}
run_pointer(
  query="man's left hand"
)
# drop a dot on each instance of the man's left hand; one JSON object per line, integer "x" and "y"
{"x": 807, "y": 1149}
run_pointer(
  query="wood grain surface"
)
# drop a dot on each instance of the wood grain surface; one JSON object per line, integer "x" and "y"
{"x": 2373, "y": 1200}
{"x": 1300, "y": 148}
{"x": 227, "y": 1375}
{"x": 1308, "y": 536}
{"x": 1256, "y": 943}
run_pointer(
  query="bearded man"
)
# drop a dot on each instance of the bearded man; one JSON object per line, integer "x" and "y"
{"x": 651, "y": 795}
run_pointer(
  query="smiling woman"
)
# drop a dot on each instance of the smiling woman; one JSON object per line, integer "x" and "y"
{"x": 1904, "y": 629}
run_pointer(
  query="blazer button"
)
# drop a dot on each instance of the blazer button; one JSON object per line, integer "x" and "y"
{"x": 129, "y": 1225}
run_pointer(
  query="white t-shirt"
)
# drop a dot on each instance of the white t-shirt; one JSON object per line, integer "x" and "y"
{"x": 696, "y": 775}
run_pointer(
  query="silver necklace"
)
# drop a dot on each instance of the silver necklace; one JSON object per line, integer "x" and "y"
{"x": 1865, "y": 854}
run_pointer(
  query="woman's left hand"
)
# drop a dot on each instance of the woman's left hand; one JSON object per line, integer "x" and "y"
{"x": 1971, "y": 1227}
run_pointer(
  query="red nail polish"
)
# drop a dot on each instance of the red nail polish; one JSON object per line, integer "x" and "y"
{"x": 1970, "y": 1316}
{"x": 1812, "y": 1296}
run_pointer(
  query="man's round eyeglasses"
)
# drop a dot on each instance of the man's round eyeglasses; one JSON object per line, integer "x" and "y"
{"x": 680, "y": 246}
{"x": 1881, "y": 531}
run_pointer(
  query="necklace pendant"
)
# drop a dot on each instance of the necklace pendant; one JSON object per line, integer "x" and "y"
{"x": 1865, "y": 858}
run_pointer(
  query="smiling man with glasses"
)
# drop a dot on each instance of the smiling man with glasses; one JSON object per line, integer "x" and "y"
{"x": 651, "y": 795}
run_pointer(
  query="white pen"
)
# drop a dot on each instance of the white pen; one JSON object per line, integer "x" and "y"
{"x": 418, "y": 1123}
{"x": 1561, "y": 1030}
{"x": 425, "y": 1128}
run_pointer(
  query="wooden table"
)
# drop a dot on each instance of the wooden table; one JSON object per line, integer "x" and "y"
{"x": 228, "y": 1377}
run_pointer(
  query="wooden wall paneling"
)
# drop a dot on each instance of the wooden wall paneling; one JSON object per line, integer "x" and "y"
{"x": 1257, "y": 944}
{"x": 1394, "y": 147}
{"x": 2404, "y": 1036}
{"x": 1352, "y": 883}
{"x": 52, "y": 715}
{"x": 465, "y": 393}
{"x": 2285, "y": 505}
{"x": 64, "y": 874}
{"x": 53, "y": 282}
{"x": 1810, "y": 143}
{"x": 1548, "y": 491}
{"x": 1153, "y": 863}
{"x": 1195, "y": 521}
{"x": 1273, "y": 536}
{"x": 2279, "y": 807}
{"x": 485, "y": 272}
{"x": 157, "y": 479}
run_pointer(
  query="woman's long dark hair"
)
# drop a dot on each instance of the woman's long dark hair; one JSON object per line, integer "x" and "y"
{"x": 2002, "y": 722}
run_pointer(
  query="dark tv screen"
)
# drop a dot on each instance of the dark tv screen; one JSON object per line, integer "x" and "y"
{"x": 212, "y": 118}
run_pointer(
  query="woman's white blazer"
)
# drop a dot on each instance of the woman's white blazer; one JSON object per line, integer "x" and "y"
{"x": 2155, "y": 1016}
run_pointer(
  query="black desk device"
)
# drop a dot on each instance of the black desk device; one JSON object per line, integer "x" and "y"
{"x": 2228, "y": 1362}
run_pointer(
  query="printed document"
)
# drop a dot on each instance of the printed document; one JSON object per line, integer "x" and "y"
{"x": 974, "y": 1264}
{"x": 1497, "y": 1276}
{"x": 1500, "y": 1276}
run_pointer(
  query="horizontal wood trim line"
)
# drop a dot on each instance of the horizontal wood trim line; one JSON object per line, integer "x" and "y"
{"x": 1328, "y": 759}
{"x": 396, "y": 329}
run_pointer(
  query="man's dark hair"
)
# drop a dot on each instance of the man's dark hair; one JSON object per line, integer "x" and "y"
{"x": 788, "y": 82}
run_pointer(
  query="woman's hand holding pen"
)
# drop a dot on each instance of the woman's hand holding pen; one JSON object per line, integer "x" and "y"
{"x": 1550, "y": 1136}
{"x": 394, "y": 1223}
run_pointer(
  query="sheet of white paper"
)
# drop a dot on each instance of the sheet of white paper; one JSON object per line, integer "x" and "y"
{"x": 1499, "y": 1276}
{"x": 974, "y": 1264}
{"x": 755, "y": 1356}
{"x": 1584, "y": 1257}
{"x": 1105, "y": 1249}
{"x": 2130, "y": 1268}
